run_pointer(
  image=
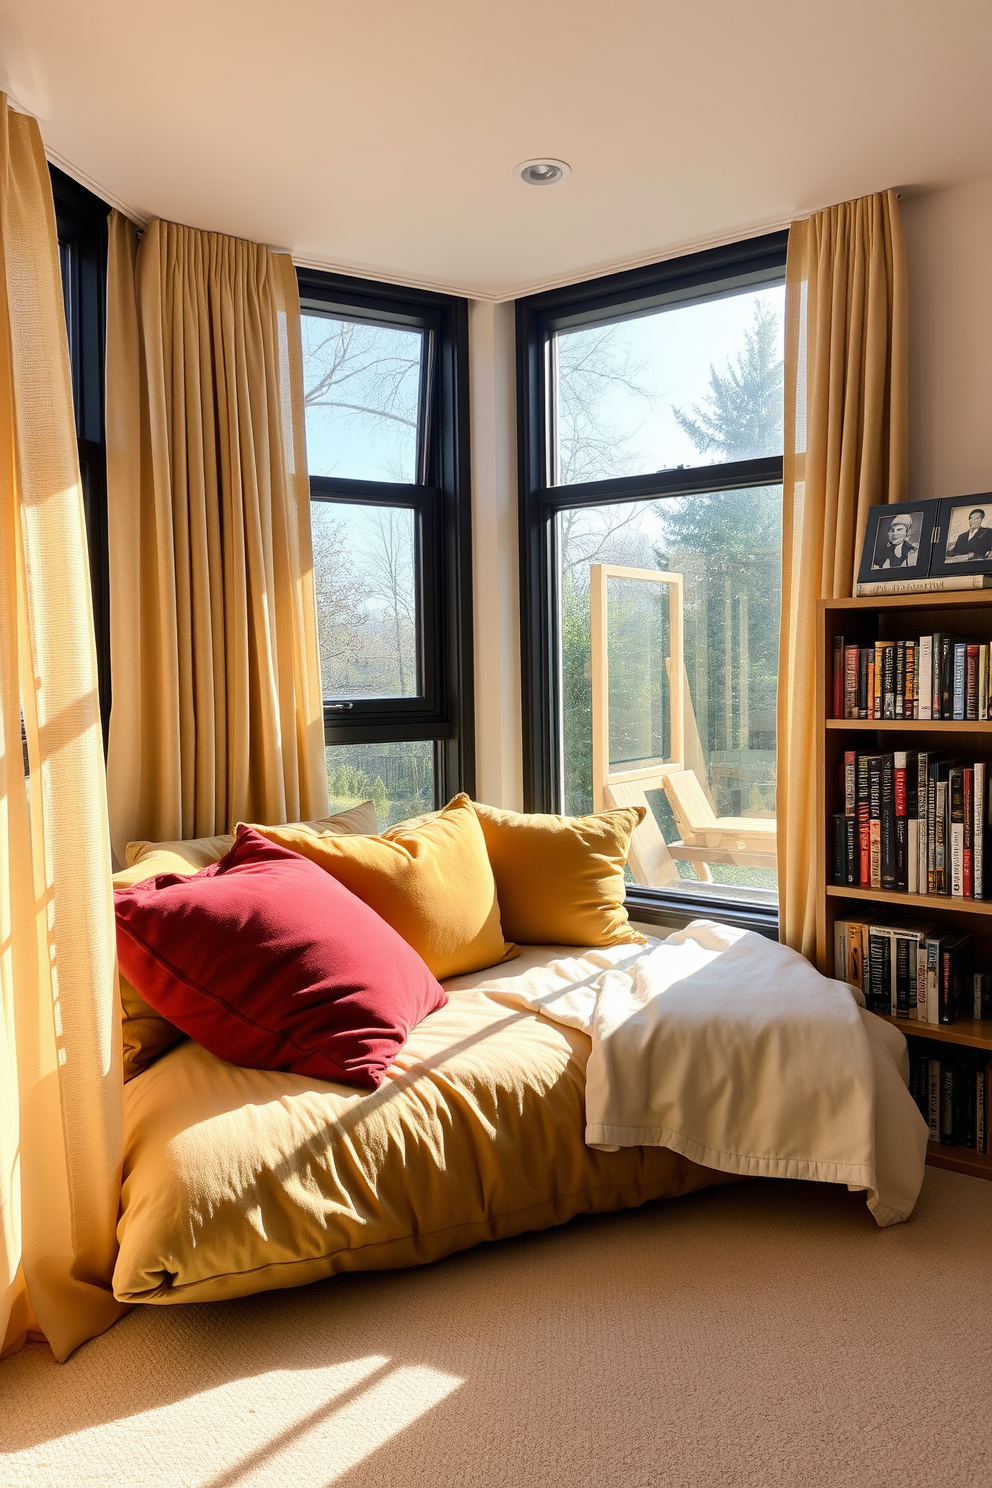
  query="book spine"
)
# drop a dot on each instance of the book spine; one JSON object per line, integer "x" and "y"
{"x": 958, "y": 681}
{"x": 909, "y": 693}
{"x": 978, "y": 829}
{"x": 946, "y": 676}
{"x": 887, "y": 832}
{"x": 925, "y": 676}
{"x": 900, "y": 824}
{"x": 921, "y": 981}
{"x": 857, "y": 947}
{"x": 948, "y": 1005}
{"x": 840, "y": 950}
{"x": 901, "y": 980}
{"x": 864, "y": 825}
{"x": 837, "y": 677}
{"x": 899, "y": 685}
{"x": 913, "y": 854}
{"x": 947, "y": 1104}
{"x": 922, "y": 783}
{"x": 838, "y": 823}
{"x": 889, "y": 681}
{"x": 851, "y": 681}
{"x": 937, "y": 652}
{"x": 955, "y": 791}
{"x": 977, "y": 980}
{"x": 939, "y": 585}
{"x": 971, "y": 682}
{"x": 877, "y": 669}
{"x": 940, "y": 840}
{"x": 933, "y": 979}
{"x": 934, "y": 1101}
{"x": 980, "y": 1141}
{"x": 864, "y": 652}
{"x": 875, "y": 821}
{"x": 879, "y": 994}
{"x": 968, "y": 834}
{"x": 983, "y": 682}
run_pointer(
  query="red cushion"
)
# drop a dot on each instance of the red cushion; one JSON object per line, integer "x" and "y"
{"x": 269, "y": 962}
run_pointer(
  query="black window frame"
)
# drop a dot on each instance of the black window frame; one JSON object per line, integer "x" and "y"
{"x": 81, "y": 227}
{"x": 693, "y": 277}
{"x": 444, "y": 712}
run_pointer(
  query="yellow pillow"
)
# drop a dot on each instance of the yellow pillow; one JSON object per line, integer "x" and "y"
{"x": 146, "y": 1033}
{"x": 432, "y": 883}
{"x": 560, "y": 878}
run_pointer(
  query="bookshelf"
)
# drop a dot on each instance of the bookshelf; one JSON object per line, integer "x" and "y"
{"x": 892, "y": 617}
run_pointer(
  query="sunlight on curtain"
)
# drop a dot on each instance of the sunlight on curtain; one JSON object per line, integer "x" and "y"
{"x": 217, "y": 713}
{"x": 846, "y": 449}
{"x": 61, "y": 1111}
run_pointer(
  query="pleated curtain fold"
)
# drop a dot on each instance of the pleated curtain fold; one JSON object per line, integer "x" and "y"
{"x": 217, "y": 712}
{"x": 846, "y": 449}
{"x": 61, "y": 1121}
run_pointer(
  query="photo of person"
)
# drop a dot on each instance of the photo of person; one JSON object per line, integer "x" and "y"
{"x": 969, "y": 534}
{"x": 897, "y": 541}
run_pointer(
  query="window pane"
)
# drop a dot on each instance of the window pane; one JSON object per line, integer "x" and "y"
{"x": 362, "y": 391}
{"x": 696, "y": 717}
{"x": 694, "y": 385}
{"x": 364, "y": 560}
{"x": 397, "y": 778}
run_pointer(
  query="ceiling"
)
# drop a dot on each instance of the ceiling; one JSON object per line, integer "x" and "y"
{"x": 380, "y": 137}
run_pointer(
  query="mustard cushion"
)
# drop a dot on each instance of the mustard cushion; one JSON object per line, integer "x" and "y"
{"x": 560, "y": 878}
{"x": 431, "y": 882}
{"x": 240, "y": 1180}
{"x": 147, "y": 1035}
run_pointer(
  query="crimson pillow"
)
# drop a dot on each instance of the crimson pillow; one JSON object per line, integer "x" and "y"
{"x": 269, "y": 962}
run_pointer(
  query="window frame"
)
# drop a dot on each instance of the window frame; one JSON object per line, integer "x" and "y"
{"x": 444, "y": 712}
{"x": 694, "y": 277}
{"x": 81, "y": 225}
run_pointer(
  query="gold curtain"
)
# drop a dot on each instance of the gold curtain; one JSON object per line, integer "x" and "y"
{"x": 217, "y": 712}
{"x": 845, "y": 450}
{"x": 60, "y": 1056}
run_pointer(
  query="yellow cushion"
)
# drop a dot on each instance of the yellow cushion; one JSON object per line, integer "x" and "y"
{"x": 242, "y": 1180}
{"x": 560, "y": 878}
{"x": 147, "y": 1035}
{"x": 432, "y": 883}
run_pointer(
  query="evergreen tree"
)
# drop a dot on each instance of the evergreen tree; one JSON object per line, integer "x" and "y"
{"x": 741, "y": 418}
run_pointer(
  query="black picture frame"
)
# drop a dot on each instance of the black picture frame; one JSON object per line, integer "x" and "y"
{"x": 898, "y": 542}
{"x": 959, "y": 548}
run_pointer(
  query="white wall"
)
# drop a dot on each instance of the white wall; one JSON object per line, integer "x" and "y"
{"x": 949, "y": 252}
{"x": 499, "y": 761}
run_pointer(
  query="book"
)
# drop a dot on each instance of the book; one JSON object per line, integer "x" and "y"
{"x": 901, "y": 770}
{"x": 924, "y": 672}
{"x": 971, "y": 680}
{"x": 953, "y": 953}
{"x": 958, "y": 678}
{"x": 878, "y": 992}
{"x": 978, "y": 830}
{"x": 945, "y": 584}
{"x": 887, "y": 832}
{"x": 864, "y": 653}
{"x": 968, "y": 833}
{"x": 851, "y": 655}
{"x": 864, "y": 823}
{"x": 839, "y": 833}
{"x": 837, "y": 677}
{"x": 955, "y": 790}
{"x": 934, "y": 1101}
{"x": 981, "y": 1006}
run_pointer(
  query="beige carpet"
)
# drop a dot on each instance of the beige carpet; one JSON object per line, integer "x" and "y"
{"x": 759, "y": 1335}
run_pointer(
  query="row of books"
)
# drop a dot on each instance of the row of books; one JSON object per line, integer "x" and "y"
{"x": 934, "y": 677}
{"x": 912, "y": 971}
{"x": 954, "y": 1094}
{"x": 913, "y": 820}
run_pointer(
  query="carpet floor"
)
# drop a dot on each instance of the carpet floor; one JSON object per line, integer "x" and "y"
{"x": 759, "y": 1335}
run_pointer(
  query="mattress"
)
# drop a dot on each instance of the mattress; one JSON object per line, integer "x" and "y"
{"x": 238, "y": 1180}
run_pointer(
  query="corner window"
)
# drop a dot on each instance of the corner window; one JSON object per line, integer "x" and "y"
{"x": 385, "y": 413}
{"x": 651, "y": 469}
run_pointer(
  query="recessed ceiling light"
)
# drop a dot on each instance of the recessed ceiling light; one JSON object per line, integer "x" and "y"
{"x": 545, "y": 172}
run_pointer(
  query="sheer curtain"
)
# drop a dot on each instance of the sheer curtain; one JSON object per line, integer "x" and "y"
{"x": 845, "y": 450}
{"x": 60, "y": 1055}
{"x": 217, "y": 711}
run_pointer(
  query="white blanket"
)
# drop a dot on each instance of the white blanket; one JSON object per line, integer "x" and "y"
{"x": 734, "y": 1051}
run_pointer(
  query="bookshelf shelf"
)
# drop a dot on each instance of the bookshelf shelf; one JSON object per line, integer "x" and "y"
{"x": 960, "y": 1160}
{"x": 863, "y": 622}
{"x": 966, "y": 1031}
{"x": 932, "y": 902}
{"x": 911, "y": 725}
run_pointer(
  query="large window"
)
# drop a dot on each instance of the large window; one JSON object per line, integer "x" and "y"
{"x": 386, "y": 412}
{"x": 651, "y": 465}
{"x": 81, "y": 223}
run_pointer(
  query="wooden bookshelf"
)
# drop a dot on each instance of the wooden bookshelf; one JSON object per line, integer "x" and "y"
{"x": 861, "y": 621}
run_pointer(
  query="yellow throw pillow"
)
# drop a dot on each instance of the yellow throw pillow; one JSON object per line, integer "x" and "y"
{"x": 432, "y": 883}
{"x": 560, "y": 878}
{"x": 147, "y": 1035}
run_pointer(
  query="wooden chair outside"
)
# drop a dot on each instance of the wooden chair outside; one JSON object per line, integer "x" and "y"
{"x": 742, "y": 842}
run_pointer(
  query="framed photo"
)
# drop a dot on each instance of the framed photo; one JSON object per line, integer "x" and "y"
{"x": 963, "y": 537}
{"x": 898, "y": 541}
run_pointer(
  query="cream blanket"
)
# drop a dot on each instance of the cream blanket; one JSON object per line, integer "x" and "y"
{"x": 734, "y": 1051}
